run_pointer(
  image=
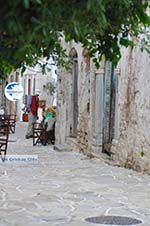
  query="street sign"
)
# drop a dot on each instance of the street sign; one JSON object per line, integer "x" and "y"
{"x": 13, "y": 91}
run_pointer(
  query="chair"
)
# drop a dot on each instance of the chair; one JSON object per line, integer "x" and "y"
{"x": 12, "y": 123}
{"x": 39, "y": 134}
{"x": 42, "y": 135}
{"x": 11, "y": 120}
{"x": 4, "y": 134}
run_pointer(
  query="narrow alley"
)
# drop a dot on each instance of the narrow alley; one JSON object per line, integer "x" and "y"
{"x": 64, "y": 188}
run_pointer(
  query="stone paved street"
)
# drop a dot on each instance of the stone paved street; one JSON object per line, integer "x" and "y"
{"x": 64, "y": 188}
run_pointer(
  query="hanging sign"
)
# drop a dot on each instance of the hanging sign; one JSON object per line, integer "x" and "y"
{"x": 13, "y": 91}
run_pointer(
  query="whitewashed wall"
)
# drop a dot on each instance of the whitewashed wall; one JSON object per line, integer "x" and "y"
{"x": 41, "y": 81}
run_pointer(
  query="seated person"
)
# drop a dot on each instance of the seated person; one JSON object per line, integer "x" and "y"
{"x": 49, "y": 122}
{"x": 48, "y": 117}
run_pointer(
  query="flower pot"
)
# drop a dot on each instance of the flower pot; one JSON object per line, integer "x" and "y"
{"x": 25, "y": 117}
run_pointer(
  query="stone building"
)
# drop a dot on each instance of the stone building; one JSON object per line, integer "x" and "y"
{"x": 31, "y": 80}
{"x": 34, "y": 79}
{"x": 106, "y": 110}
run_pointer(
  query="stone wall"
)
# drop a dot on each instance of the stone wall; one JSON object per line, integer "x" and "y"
{"x": 133, "y": 145}
{"x": 82, "y": 140}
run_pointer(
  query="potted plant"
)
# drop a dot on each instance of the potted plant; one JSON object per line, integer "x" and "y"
{"x": 25, "y": 115}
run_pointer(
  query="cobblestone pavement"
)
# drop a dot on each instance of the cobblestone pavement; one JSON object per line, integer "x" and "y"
{"x": 64, "y": 188}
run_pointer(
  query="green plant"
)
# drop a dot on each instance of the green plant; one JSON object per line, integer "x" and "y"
{"x": 30, "y": 29}
{"x": 51, "y": 87}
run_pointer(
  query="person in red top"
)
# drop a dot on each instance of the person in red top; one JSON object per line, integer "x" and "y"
{"x": 33, "y": 114}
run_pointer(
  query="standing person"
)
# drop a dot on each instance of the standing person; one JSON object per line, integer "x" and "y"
{"x": 33, "y": 104}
